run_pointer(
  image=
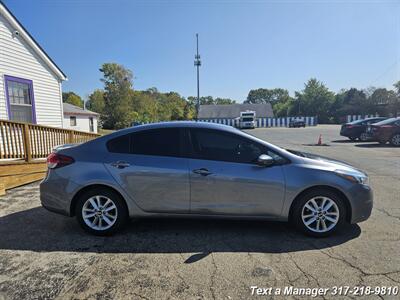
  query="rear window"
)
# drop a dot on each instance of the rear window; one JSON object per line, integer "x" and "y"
{"x": 386, "y": 122}
{"x": 120, "y": 144}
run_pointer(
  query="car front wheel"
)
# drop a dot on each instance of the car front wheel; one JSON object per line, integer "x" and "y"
{"x": 319, "y": 213}
{"x": 101, "y": 211}
{"x": 395, "y": 140}
{"x": 364, "y": 137}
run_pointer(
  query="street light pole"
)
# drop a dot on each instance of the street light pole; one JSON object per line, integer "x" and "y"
{"x": 197, "y": 64}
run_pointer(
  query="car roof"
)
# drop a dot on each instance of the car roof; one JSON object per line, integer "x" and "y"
{"x": 173, "y": 124}
{"x": 367, "y": 119}
{"x": 191, "y": 124}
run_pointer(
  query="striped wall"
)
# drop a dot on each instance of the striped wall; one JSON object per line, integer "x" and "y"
{"x": 267, "y": 122}
{"x": 351, "y": 118}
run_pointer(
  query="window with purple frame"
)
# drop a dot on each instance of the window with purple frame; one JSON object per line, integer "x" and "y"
{"x": 20, "y": 101}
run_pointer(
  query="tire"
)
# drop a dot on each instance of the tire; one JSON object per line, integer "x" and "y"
{"x": 113, "y": 212}
{"x": 363, "y": 137}
{"x": 301, "y": 214}
{"x": 395, "y": 140}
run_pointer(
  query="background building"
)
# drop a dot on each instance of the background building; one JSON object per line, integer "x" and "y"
{"x": 30, "y": 81}
{"x": 77, "y": 118}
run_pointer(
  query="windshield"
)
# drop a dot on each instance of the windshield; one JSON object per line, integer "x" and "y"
{"x": 388, "y": 121}
{"x": 356, "y": 122}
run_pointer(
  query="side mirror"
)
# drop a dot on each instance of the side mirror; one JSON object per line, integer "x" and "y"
{"x": 265, "y": 160}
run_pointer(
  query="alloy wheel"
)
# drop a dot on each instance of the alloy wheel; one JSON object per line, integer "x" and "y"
{"x": 363, "y": 137}
{"x": 320, "y": 214}
{"x": 99, "y": 212}
{"x": 396, "y": 140}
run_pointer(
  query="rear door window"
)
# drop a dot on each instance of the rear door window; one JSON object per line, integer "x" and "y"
{"x": 159, "y": 142}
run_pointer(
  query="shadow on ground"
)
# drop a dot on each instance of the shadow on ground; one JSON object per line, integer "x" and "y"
{"x": 345, "y": 141}
{"x": 375, "y": 145}
{"x": 38, "y": 230}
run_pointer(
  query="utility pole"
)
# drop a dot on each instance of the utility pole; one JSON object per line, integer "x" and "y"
{"x": 197, "y": 64}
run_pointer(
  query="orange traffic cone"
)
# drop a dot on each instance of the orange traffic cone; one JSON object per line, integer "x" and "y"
{"x": 319, "y": 140}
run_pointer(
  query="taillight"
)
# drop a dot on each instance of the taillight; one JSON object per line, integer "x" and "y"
{"x": 55, "y": 160}
{"x": 349, "y": 126}
{"x": 386, "y": 126}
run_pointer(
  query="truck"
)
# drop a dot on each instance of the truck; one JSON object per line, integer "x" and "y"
{"x": 247, "y": 119}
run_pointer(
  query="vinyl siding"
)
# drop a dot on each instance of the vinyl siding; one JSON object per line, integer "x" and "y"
{"x": 82, "y": 123}
{"x": 18, "y": 59}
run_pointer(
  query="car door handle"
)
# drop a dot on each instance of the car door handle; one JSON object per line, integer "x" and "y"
{"x": 120, "y": 164}
{"x": 202, "y": 171}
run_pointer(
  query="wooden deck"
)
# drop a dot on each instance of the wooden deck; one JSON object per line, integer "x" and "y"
{"x": 17, "y": 173}
{"x": 24, "y": 148}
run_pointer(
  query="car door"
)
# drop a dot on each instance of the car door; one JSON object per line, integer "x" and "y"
{"x": 149, "y": 167}
{"x": 225, "y": 179}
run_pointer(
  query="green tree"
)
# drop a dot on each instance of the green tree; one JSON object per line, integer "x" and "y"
{"x": 350, "y": 102}
{"x": 315, "y": 100}
{"x": 267, "y": 96}
{"x": 96, "y": 101}
{"x": 118, "y": 111}
{"x": 384, "y": 102}
{"x": 224, "y": 101}
{"x": 72, "y": 98}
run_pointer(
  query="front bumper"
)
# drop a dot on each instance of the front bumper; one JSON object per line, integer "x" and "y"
{"x": 361, "y": 201}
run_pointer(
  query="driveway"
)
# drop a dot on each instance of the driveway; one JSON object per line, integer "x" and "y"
{"x": 43, "y": 255}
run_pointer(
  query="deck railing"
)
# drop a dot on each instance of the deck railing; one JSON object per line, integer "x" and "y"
{"x": 30, "y": 141}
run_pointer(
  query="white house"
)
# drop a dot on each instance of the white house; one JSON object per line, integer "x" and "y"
{"x": 30, "y": 81}
{"x": 80, "y": 119}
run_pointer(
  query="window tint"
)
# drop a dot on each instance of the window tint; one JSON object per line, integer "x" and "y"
{"x": 160, "y": 142}
{"x": 222, "y": 146}
{"x": 119, "y": 144}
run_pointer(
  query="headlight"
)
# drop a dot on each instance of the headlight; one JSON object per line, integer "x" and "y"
{"x": 354, "y": 176}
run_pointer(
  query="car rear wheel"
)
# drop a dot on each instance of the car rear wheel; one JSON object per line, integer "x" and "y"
{"x": 395, "y": 140}
{"x": 101, "y": 211}
{"x": 364, "y": 137}
{"x": 319, "y": 213}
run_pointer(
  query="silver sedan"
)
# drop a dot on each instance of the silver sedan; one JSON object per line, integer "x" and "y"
{"x": 197, "y": 169}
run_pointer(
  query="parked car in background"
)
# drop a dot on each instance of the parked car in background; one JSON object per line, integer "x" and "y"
{"x": 297, "y": 123}
{"x": 196, "y": 169}
{"x": 386, "y": 131}
{"x": 357, "y": 129}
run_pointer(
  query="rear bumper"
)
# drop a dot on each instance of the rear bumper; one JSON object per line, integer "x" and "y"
{"x": 361, "y": 198}
{"x": 55, "y": 194}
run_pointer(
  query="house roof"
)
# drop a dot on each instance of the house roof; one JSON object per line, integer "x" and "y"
{"x": 70, "y": 109}
{"x": 231, "y": 111}
{"x": 25, "y": 35}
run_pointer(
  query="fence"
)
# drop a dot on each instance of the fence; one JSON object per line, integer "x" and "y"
{"x": 267, "y": 122}
{"x": 351, "y": 118}
{"x": 30, "y": 141}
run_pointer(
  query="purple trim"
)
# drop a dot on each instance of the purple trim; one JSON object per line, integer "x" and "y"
{"x": 8, "y": 78}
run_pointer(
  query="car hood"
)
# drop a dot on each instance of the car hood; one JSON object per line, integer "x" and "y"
{"x": 325, "y": 162}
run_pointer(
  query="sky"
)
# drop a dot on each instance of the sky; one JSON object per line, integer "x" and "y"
{"x": 243, "y": 44}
